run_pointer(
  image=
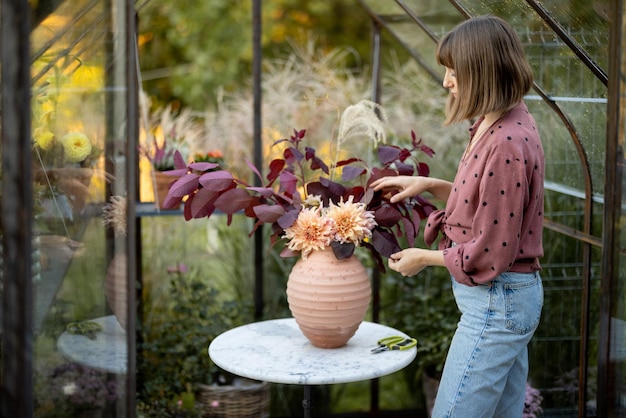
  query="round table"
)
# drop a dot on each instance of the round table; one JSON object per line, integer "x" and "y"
{"x": 276, "y": 351}
{"x": 106, "y": 353}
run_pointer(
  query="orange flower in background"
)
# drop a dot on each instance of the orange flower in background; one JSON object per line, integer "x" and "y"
{"x": 213, "y": 156}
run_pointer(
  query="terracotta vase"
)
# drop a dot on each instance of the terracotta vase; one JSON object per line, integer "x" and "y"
{"x": 162, "y": 183}
{"x": 115, "y": 288}
{"x": 328, "y": 297}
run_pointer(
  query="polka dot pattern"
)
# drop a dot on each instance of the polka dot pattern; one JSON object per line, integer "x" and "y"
{"x": 496, "y": 203}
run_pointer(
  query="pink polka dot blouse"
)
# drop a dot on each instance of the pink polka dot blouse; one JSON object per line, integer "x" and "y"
{"x": 493, "y": 219}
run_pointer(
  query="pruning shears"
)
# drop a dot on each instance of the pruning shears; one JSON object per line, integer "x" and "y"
{"x": 395, "y": 342}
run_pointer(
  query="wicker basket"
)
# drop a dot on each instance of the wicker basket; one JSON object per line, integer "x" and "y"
{"x": 243, "y": 399}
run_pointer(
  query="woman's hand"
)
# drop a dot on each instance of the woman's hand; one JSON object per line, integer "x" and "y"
{"x": 411, "y": 261}
{"x": 410, "y": 186}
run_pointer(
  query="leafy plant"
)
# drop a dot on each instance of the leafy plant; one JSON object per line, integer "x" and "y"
{"x": 167, "y": 131}
{"x": 70, "y": 389}
{"x": 176, "y": 335}
{"x": 300, "y": 174}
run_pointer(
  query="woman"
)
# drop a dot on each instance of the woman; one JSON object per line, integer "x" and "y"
{"x": 492, "y": 224}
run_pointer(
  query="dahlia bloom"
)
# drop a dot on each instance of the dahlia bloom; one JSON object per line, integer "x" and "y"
{"x": 317, "y": 227}
{"x": 310, "y": 232}
{"x": 353, "y": 222}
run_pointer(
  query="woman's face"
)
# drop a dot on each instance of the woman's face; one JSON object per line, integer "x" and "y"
{"x": 449, "y": 81}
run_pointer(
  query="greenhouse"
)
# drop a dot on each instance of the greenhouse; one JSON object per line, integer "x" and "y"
{"x": 156, "y": 154}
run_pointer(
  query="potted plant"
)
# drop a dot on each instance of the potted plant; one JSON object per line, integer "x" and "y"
{"x": 166, "y": 131}
{"x": 314, "y": 213}
{"x": 67, "y": 148}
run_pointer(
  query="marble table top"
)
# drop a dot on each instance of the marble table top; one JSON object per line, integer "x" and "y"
{"x": 106, "y": 353}
{"x": 276, "y": 351}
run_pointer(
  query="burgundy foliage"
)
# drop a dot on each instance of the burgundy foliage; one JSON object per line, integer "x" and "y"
{"x": 210, "y": 188}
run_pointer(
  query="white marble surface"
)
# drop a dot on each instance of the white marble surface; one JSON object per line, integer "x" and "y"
{"x": 106, "y": 353}
{"x": 276, "y": 351}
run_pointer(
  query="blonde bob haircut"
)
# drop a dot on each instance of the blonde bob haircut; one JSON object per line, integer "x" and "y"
{"x": 492, "y": 73}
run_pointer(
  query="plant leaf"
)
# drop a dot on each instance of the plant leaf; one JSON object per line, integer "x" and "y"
{"x": 388, "y": 153}
{"x": 348, "y": 161}
{"x": 268, "y": 213}
{"x": 233, "y": 200}
{"x": 423, "y": 169}
{"x": 254, "y": 169}
{"x": 288, "y": 182}
{"x": 292, "y": 155}
{"x": 175, "y": 173}
{"x": 317, "y": 163}
{"x": 350, "y": 172}
{"x": 342, "y": 250}
{"x": 387, "y": 215}
{"x": 217, "y": 180}
{"x": 384, "y": 242}
{"x": 335, "y": 190}
{"x": 263, "y": 191}
{"x": 201, "y": 204}
{"x": 276, "y": 166}
{"x": 179, "y": 161}
{"x": 288, "y": 218}
{"x": 405, "y": 169}
{"x": 203, "y": 166}
{"x": 183, "y": 186}
{"x": 378, "y": 173}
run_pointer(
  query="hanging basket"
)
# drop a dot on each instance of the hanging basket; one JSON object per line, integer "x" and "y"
{"x": 243, "y": 399}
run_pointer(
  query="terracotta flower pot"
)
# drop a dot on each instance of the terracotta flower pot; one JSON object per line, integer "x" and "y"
{"x": 328, "y": 297}
{"x": 115, "y": 288}
{"x": 162, "y": 183}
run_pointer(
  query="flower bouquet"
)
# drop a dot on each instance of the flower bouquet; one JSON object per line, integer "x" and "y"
{"x": 303, "y": 201}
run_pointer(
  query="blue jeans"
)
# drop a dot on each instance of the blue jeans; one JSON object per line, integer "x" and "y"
{"x": 487, "y": 365}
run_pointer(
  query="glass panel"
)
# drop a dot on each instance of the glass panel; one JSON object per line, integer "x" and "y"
{"x": 437, "y": 15}
{"x": 78, "y": 114}
{"x": 197, "y": 279}
{"x": 587, "y": 22}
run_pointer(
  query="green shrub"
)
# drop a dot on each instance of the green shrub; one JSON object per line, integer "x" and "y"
{"x": 176, "y": 334}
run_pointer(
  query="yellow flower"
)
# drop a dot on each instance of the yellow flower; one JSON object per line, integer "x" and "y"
{"x": 310, "y": 232}
{"x": 76, "y": 147}
{"x": 353, "y": 223}
{"x": 43, "y": 139}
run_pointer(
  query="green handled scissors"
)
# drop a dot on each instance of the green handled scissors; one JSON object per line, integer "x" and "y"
{"x": 395, "y": 342}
